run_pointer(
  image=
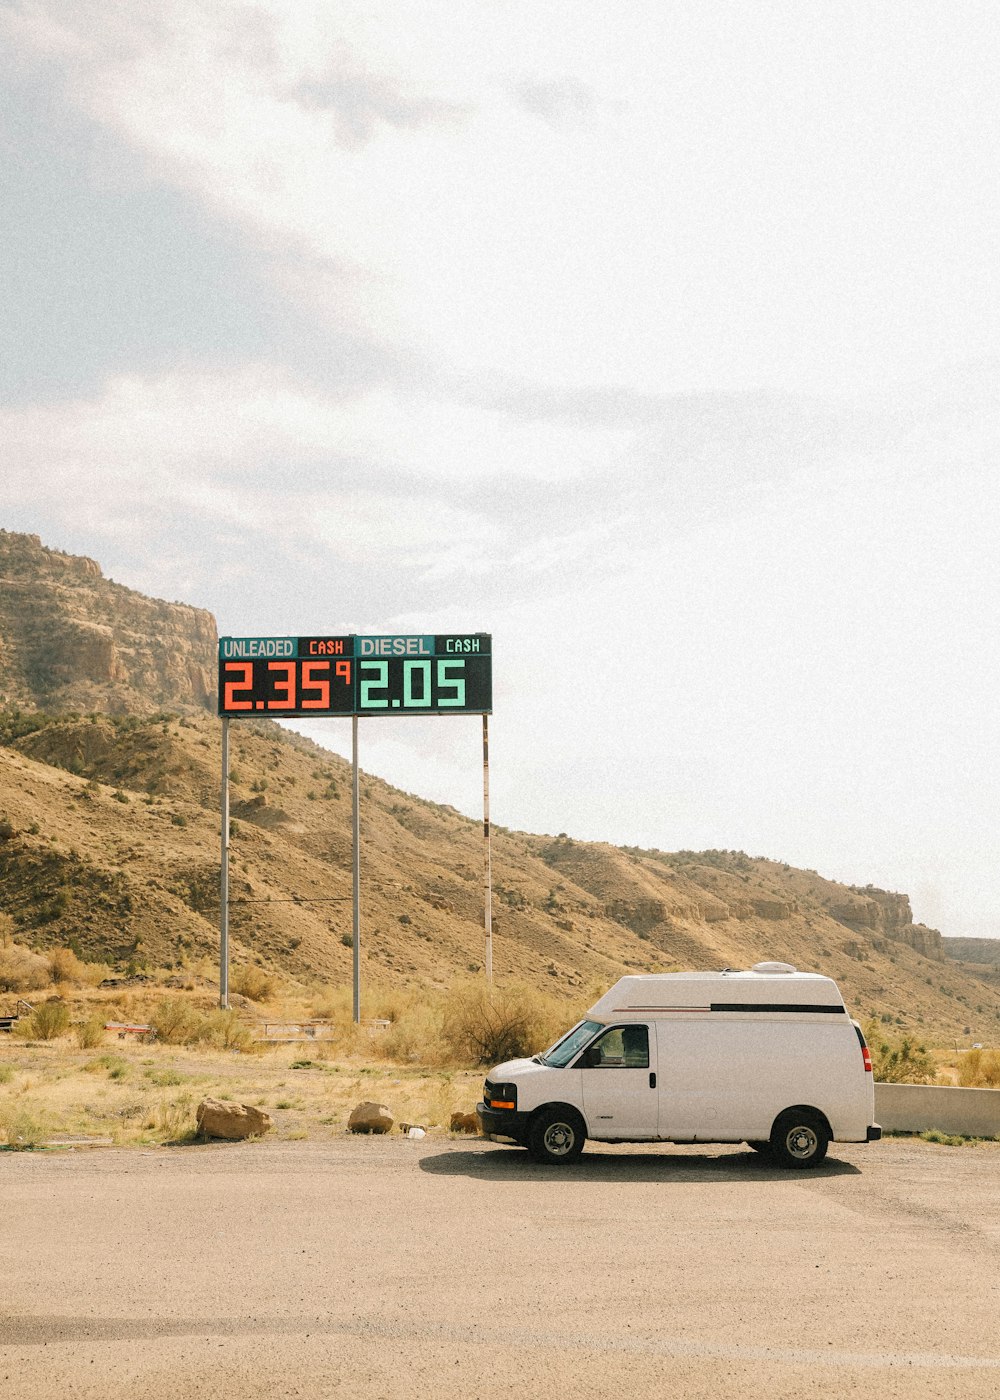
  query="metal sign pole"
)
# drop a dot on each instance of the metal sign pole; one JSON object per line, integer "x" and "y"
{"x": 487, "y": 873}
{"x": 224, "y": 877}
{"x": 356, "y": 827}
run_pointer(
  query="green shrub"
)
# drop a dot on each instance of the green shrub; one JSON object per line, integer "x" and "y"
{"x": 112, "y": 1063}
{"x": 899, "y": 1062}
{"x": 49, "y": 1020}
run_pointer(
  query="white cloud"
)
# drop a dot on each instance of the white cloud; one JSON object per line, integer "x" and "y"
{"x": 719, "y": 219}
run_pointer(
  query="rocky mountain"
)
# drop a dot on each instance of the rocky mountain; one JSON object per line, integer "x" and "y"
{"x": 985, "y": 952}
{"x": 70, "y": 639}
{"x": 109, "y": 843}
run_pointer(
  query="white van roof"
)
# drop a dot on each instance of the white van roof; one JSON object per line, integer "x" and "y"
{"x": 774, "y": 987}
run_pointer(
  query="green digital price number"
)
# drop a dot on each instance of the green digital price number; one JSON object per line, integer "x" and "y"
{"x": 402, "y": 683}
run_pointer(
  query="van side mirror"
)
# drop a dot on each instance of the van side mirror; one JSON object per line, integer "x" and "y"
{"x": 591, "y": 1057}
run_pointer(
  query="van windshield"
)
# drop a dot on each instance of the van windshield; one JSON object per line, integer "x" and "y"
{"x": 572, "y": 1042}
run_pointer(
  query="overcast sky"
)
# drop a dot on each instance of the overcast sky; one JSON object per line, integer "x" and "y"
{"x": 660, "y": 340}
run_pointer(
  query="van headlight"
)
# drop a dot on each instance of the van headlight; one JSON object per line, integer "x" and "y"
{"x": 502, "y": 1096}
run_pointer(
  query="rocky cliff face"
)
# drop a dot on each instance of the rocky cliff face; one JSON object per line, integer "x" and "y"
{"x": 890, "y": 915}
{"x": 70, "y": 639}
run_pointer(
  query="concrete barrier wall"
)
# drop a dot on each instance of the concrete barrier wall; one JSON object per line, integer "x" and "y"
{"x": 917, "y": 1108}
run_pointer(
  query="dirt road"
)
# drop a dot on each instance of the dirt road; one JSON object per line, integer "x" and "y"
{"x": 390, "y": 1267}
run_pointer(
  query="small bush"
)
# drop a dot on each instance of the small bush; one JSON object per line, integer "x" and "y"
{"x": 21, "y": 970}
{"x": 490, "y": 1025}
{"x": 175, "y": 1121}
{"x": 979, "y": 1069}
{"x": 20, "y": 1129}
{"x": 227, "y": 1031}
{"x": 254, "y": 983}
{"x": 49, "y": 1020}
{"x": 899, "y": 1062}
{"x": 89, "y": 1033}
{"x": 65, "y": 966}
{"x": 415, "y": 1034}
{"x": 333, "y": 1004}
{"x": 164, "y": 1078}
{"x": 114, "y": 1064}
{"x": 174, "y": 1021}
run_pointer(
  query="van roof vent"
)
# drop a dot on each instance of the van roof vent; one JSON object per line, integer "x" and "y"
{"x": 772, "y": 967}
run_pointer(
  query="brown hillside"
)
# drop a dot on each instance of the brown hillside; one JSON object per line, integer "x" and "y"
{"x": 109, "y": 842}
{"x": 111, "y": 845}
{"x": 70, "y": 639}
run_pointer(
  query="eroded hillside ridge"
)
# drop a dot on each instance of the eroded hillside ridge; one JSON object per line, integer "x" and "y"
{"x": 72, "y": 640}
{"x": 983, "y": 951}
{"x": 109, "y": 844}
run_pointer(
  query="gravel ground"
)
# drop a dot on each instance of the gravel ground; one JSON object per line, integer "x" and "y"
{"x": 390, "y": 1267}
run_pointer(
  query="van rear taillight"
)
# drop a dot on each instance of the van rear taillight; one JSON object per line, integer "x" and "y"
{"x": 865, "y": 1052}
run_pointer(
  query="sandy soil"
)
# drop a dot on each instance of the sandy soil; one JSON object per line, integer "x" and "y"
{"x": 388, "y": 1267}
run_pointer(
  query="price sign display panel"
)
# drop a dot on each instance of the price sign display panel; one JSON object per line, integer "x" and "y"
{"x": 450, "y": 674}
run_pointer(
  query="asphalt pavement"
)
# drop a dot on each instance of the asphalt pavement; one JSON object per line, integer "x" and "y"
{"x": 394, "y": 1267}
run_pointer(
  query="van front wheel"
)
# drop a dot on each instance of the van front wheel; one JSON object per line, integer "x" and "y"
{"x": 799, "y": 1139}
{"x": 556, "y": 1136}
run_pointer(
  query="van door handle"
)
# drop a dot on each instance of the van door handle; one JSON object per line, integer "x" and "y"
{"x": 652, "y": 1081}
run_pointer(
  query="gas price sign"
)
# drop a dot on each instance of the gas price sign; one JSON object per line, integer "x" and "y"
{"x": 355, "y": 675}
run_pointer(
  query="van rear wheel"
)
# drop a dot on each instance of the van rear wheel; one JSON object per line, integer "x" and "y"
{"x": 556, "y": 1136}
{"x": 799, "y": 1139}
{"x": 764, "y": 1146}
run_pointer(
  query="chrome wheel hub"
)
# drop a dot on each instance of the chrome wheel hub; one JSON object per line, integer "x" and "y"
{"x": 559, "y": 1139}
{"x": 802, "y": 1142}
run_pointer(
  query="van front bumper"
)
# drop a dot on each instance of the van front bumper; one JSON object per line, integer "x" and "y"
{"x": 874, "y": 1132}
{"x": 504, "y": 1122}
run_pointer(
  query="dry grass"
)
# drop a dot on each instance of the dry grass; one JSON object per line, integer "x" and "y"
{"x": 133, "y": 1093}
{"x": 141, "y": 1094}
{"x": 21, "y": 970}
{"x": 979, "y": 1069}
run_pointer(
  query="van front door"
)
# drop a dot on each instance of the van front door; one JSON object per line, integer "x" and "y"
{"x": 619, "y": 1085}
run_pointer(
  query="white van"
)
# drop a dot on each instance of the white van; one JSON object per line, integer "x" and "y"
{"x": 769, "y": 1057}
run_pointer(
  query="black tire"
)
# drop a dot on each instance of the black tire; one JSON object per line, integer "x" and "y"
{"x": 556, "y": 1136}
{"x": 762, "y": 1147}
{"x": 799, "y": 1139}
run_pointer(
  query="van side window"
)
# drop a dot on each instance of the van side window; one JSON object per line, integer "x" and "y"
{"x": 622, "y": 1047}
